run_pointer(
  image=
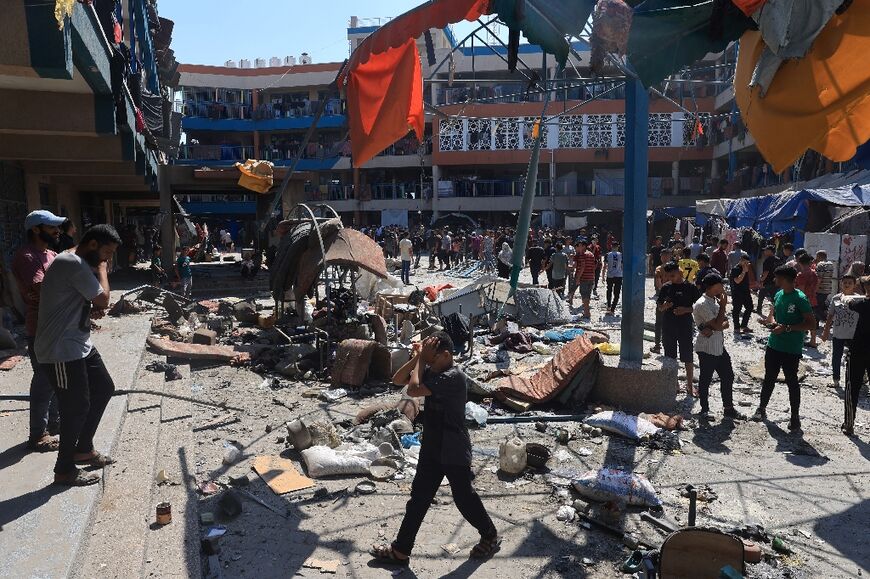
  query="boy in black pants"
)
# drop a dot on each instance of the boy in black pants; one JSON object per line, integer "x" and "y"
{"x": 793, "y": 317}
{"x": 446, "y": 449}
{"x": 856, "y": 362}
{"x": 73, "y": 286}
{"x": 741, "y": 295}
{"x": 676, "y": 300}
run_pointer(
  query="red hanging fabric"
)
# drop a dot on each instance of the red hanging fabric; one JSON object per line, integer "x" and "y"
{"x": 387, "y": 101}
{"x": 385, "y": 78}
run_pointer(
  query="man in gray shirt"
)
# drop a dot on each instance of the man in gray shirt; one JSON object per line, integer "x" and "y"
{"x": 558, "y": 267}
{"x": 74, "y": 285}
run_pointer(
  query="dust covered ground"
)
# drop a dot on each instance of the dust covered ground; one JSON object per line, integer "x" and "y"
{"x": 812, "y": 490}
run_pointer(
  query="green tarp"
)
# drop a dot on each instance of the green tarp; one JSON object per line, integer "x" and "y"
{"x": 667, "y": 35}
{"x": 546, "y": 22}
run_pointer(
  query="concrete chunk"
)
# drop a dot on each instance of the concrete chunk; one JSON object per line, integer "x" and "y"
{"x": 205, "y": 337}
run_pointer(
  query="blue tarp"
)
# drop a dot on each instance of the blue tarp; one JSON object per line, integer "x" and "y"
{"x": 788, "y": 211}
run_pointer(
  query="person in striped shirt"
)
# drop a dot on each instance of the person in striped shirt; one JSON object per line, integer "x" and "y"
{"x": 711, "y": 318}
{"x": 584, "y": 275}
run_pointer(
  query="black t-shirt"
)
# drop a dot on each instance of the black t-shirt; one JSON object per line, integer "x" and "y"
{"x": 704, "y": 272}
{"x": 861, "y": 340}
{"x": 681, "y": 295}
{"x": 656, "y": 252}
{"x": 770, "y": 264}
{"x": 535, "y": 255}
{"x": 742, "y": 288}
{"x": 445, "y": 435}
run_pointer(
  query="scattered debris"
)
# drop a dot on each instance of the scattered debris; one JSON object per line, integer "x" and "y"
{"x": 330, "y": 566}
{"x": 608, "y": 484}
{"x": 627, "y": 425}
{"x": 280, "y": 474}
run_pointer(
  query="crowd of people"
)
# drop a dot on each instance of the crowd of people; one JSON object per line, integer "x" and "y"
{"x": 692, "y": 316}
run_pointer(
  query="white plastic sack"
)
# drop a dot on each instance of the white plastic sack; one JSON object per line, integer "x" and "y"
{"x": 626, "y": 425}
{"x": 347, "y": 459}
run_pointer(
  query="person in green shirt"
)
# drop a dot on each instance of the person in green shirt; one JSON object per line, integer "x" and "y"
{"x": 793, "y": 317}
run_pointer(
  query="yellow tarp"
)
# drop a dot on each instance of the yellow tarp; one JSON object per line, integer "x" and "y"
{"x": 820, "y": 102}
{"x": 256, "y": 175}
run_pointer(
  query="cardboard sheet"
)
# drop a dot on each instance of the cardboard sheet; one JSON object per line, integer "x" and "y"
{"x": 280, "y": 474}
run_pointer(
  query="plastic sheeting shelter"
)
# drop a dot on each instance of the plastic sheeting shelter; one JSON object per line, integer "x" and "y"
{"x": 782, "y": 212}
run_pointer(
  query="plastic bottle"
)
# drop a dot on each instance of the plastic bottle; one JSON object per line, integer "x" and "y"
{"x": 512, "y": 456}
{"x": 476, "y": 413}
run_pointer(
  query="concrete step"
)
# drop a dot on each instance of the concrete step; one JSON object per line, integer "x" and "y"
{"x": 44, "y": 526}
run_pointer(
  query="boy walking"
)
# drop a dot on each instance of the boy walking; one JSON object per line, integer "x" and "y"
{"x": 74, "y": 285}
{"x": 741, "y": 295}
{"x": 658, "y": 281}
{"x": 184, "y": 273}
{"x": 584, "y": 275}
{"x": 613, "y": 274}
{"x": 857, "y": 367}
{"x": 446, "y": 449}
{"x": 676, "y": 303}
{"x": 841, "y": 324}
{"x": 711, "y": 318}
{"x": 793, "y": 317}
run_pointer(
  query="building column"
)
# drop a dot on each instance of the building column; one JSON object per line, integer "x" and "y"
{"x": 255, "y": 102}
{"x": 675, "y": 175}
{"x": 634, "y": 225}
{"x": 32, "y": 190}
{"x": 436, "y": 179}
{"x": 714, "y": 169}
{"x": 167, "y": 227}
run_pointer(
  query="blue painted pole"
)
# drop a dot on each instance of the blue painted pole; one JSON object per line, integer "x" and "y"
{"x": 634, "y": 219}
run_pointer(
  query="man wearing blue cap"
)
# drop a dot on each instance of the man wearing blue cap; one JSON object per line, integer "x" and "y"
{"x": 28, "y": 266}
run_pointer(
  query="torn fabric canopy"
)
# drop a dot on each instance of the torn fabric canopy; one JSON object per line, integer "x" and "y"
{"x": 820, "y": 102}
{"x": 385, "y": 101}
{"x": 667, "y": 35}
{"x": 385, "y": 78}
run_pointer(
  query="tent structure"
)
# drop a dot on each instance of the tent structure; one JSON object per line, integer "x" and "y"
{"x": 781, "y": 212}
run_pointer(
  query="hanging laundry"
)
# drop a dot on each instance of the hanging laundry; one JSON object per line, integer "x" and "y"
{"x": 611, "y": 25}
{"x": 820, "y": 102}
{"x": 667, "y": 35}
{"x": 788, "y": 28}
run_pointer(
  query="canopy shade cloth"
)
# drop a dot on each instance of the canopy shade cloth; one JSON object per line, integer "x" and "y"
{"x": 820, "y": 102}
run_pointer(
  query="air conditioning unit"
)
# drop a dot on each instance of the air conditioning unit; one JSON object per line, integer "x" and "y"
{"x": 274, "y": 61}
{"x": 231, "y": 64}
{"x": 305, "y": 58}
{"x": 244, "y": 63}
{"x": 289, "y": 60}
{"x": 260, "y": 63}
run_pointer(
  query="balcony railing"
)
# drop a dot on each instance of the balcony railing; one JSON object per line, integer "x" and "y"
{"x": 594, "y": 131}
{"x": 217, "y": 110}
{"x": 215, "y": 152}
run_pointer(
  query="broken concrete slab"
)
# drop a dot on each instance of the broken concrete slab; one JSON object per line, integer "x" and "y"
{"x": 636, "y": 388}
{"x": 203, "y": 352}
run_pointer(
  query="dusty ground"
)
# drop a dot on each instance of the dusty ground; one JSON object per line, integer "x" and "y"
{"x": 811, "y": 489}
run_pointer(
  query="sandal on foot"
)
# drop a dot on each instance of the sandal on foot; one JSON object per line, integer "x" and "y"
{"x": 487, "y": 547}
{"x": 78, "y": 478}
{"x": 97, "y": 461}
{"x": 387, "y": 554}
{"x": 45, "y": 444}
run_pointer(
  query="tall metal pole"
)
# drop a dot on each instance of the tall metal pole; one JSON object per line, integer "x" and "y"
{"x": 634, "y": 224}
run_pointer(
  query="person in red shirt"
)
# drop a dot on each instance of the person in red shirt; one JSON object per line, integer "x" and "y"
{"x": 584, "y": 275}
{"x": 808, "y": 282}
{"x": 719, "y": 258}
{"x": 595, "y": 248}
{"x": 28, "y": 266}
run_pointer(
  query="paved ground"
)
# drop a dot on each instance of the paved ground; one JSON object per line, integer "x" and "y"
{"x": 42, "y": 527}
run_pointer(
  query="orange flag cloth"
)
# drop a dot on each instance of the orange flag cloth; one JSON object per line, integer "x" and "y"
{"x": 387, "y": 101}
{"x": 820, "y": 102}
